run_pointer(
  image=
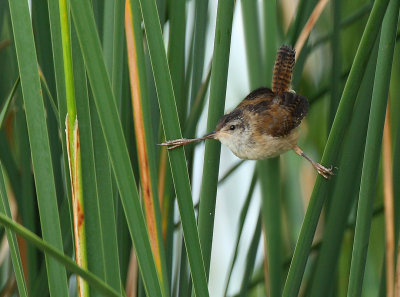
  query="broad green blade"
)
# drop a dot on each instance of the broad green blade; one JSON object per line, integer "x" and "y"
{"x": 106, "y": 107}
{"x": 218, "y": 80}
{"x": 172, "y": 130}
{"x": 99, "y": 208}
{"x": 346, "y": 187}
{"x": 176, "y": 54}
{"x": 340, "y": 124}
{"x": 142, "y": 119}
{"x": 28, "y": 208}
{"x": 252, "y": 37}
{"x": 39, "y": 141}
{"x": 373, "y": 148}
{"x": 56, "y": 43}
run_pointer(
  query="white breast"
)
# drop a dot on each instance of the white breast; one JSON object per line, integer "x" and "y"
{"x": 264, "y": 147}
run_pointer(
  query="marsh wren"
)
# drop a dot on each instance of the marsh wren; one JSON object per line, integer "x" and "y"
{"x": 265, "y": 124}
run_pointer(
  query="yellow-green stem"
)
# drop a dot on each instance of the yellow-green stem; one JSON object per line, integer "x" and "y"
{"x": 68, "y": 72}
{"x": 77, "y": 202}
{"x": 73, "y": 147}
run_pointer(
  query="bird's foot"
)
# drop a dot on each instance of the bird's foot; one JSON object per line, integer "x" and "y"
{"x": 171, "y": 144}
{"x": 325, "y": 172}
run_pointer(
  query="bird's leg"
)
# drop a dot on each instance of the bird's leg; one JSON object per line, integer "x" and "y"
{"x": 325, "y": 172}
{"x": 171, "y": 144}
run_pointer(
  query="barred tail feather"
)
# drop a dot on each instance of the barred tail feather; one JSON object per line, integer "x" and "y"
{"x": 283, "y": 69}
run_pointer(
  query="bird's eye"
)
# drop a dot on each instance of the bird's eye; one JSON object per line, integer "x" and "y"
{"x": 232, "y": 127}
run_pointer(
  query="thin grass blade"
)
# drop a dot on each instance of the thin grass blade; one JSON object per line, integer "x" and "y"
{"x": 73, "y": 149}
{"x": 340, "y": 124}
{"x": 99, "y": 207}
{"x": 269, "y": 172}
{"x": 176, "y": 54}
{"x": 29, "y": 209}
{"x": 336, "y": 62}
{"x": 219, "y": 74}
{"x": 198, "y": 47}
{"x": 7, "y": 102}
{"x": 57, "y": 255}
{"x": 388, "y": 202}
{"x": 144, "y": 136}
{"x": 271, "y": 38}
{"x": 94, "y": 236}
{"x": 106, "y": 107}
{"x": 39, "y": 141}
{"x": 12, "y": 239}
{"x": 242, "y": 218}
{"x": 373, "y": 148}
{"x": 251, "y": 258}
{"x": 172, "y": 131}
{"x": 118, "y": 50}
{"x": 346, "y": 187}
{"x": 58, "y": 63}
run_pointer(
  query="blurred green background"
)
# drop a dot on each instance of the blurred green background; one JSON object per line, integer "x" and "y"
{"x": 138, "y": 72}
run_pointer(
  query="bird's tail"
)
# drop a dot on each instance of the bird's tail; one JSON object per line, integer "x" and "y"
{"x": 283, "y": 69}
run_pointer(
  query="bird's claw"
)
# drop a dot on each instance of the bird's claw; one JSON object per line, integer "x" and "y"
{"x": 325, "y": 172}
{"x": 171, "y": 144}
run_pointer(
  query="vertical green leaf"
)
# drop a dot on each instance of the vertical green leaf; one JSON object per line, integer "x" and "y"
{"x": 39, "y": 141}
{"x": 271, "y": 213}
{"x": 74, "y": 151}
{"x": 105, "y": 202}
{"x": 172, "y": 130}
{"x": 251, "y": 258}
{"x": 99, "y": 208}
{"x": 242, "y": 217}
{"x": 198, "y": 47}
{"x": 56, "y": 42}
{"x": 107, "y": 110}
{"x": 118, "y": 50}
{"x": 176, "y": 53}
{"x": 269, "y": 172}
{"x": 219, "y": 74}
{"x": 252, "y": 37}
{"x": 28, "y": 211}
{"x": 94, "y": 236}
{"x": 271, "y": 38}
{"x": 340, "y": 123}
{"x": 336, "y": 61}
{"x": 144, "y": 138}
{"x": 346, "y": 187}
{"x": 373, "y": 148}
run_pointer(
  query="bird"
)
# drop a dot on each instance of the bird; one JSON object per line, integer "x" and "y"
{"x": 266, "y": 123}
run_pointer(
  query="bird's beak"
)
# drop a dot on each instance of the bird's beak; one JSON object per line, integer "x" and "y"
{"x": 210, "y": 135}
{"x": 171, "y": 144}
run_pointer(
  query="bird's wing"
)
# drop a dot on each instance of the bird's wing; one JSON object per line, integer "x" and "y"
{"x": 256, "y": 96}
{"x": 283, "y": 69}
{"x": 282, "y": 115}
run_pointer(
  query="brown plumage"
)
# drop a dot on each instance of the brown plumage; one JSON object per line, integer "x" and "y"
{"x": 283, "y": 69}
{"x": 280, "y": 113}
{"x": 264, "y": 124}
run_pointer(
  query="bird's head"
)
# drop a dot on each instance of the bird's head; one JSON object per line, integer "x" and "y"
{"x": 232, "y": 127}
{"x": 231, "y": 130}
